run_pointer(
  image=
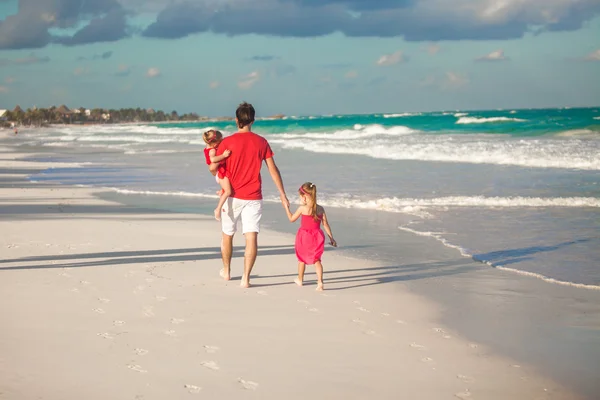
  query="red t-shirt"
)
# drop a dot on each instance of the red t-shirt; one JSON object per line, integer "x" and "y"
{"x": 248, "y": 151}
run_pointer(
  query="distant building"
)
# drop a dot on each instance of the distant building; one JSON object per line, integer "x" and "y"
{"x": 88, "y": 112}
{"x": 105, "y": 116}
{"x": 2, "y": 112}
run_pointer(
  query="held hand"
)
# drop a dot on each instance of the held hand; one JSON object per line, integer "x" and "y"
{"x": 285, "y": 201}
{"x": 227, "y": 153}
{"x": 333, "y": 242}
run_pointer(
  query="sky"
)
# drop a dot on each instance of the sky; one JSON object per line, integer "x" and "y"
{"x": 300, "y": 57}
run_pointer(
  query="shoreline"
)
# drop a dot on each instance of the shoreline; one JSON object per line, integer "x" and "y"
{"x": 406, "y": 326}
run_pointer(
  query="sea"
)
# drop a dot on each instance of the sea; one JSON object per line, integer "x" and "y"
{"x": 517, "y": 190}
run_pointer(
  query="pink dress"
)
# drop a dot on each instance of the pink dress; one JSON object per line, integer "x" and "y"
{"x": 310, "y": 240}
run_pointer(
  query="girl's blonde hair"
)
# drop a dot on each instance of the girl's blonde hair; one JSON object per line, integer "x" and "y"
{"x": 212, "y": 137}
{"x": 310, "y": 189}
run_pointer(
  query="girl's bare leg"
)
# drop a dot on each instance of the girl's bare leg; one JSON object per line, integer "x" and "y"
{"x": 319, "y": 271}
{"x": 225, "y": 193}
{"x": 300, "y": 279}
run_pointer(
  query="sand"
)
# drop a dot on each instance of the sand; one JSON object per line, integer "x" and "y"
{"x": 105, "y": 301}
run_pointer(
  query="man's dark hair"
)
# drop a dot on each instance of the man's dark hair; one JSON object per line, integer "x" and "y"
{"x": 245, "y": 114}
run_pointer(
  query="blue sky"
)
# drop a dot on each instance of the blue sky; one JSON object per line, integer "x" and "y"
{"x": 300, "y": 56}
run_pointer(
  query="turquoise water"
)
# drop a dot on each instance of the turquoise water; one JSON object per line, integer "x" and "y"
{"x": 519, "y": 123}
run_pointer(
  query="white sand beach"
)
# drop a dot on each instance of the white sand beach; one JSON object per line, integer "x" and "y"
{"x": 105, "y": 301}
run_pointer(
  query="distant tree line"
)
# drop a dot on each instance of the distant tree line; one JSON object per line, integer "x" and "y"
{"x": 64, "y": 115}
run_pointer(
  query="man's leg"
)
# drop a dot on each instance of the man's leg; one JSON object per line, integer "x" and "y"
{"x": 249, "y": 257}
{"x": 226, "y": 251}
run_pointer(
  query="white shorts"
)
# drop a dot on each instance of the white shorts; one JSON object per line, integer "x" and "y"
{"x": 250, "y": 212}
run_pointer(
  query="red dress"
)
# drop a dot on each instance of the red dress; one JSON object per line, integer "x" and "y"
{"x": 221, "y": 170}
{"x": 310, "y": 240}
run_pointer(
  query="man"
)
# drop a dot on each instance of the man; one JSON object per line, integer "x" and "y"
{"x": 248, "y": 151}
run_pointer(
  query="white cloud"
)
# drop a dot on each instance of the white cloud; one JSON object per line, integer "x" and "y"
{"x": 81, "y": 71}
{"x": 3, "y": 89}
{"x": 593, "y": 56}
{"x": 433, "y": 48}
{"x": 249, "y": 80}
{"x": 214, "y": 84}
{"x": 450, "y": 80}
{"x": 454, "y": 80}
{"x": 351, "y": 74}
{"x": 497, "y": 55}
{"x": 391, "y": 59}
{"x": 153, "y": 72}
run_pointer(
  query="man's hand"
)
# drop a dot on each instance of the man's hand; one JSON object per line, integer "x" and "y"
{"x": 285, "y": 201}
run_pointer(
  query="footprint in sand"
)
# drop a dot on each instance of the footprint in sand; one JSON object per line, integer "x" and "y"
{"x": 210, "y": 365}
{"x": 177, "y": 321}
{"x": 139, "y": 289}
{"x": 64, "y": 274}
{"x": 418, "y": 346}
{"x": 103, "y": 300}
{"x": 427, "y": 359}
{"x": 75, "y": 290}
{"x": 249, "y": 385}
{"x": 516, "y": 366}
{"x": 148, "y": 311}
{"x": 371, "y": 333}
{"x": 465, "y": 378}
{"x": 136, "y": 368}
{"x": 315, "y": 310}
{"x": 303, "y": 301}
{"x": 160, "y": 298}
{"x": 384, "y": 314}
{"x": 399, "y": 321}
{"x": 262, "y": 293}
{"x": 84, "y": 282}
{"x": 356, "y": 302}
{"x": 363, "y": 309}
{"x": 149, "y": 280}
{"x": 358, "y": 321}
{"x": 211, "y": 349}
{"x": 193, "y": 389}
{"x": 99, "y": 311}
{"x": 473, "y": 345}
{"x": 170, "y": 333}
{"x": 106, "y": 335}
{"x": 141, "y": 352}
{"x": 463, "y": 395}
{"x": 118, "y": 323}
{"x": 443, "y": 333}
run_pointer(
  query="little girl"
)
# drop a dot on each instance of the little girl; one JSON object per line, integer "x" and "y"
{"x": 212, "y": 139}
{"x": 310, "y": 241}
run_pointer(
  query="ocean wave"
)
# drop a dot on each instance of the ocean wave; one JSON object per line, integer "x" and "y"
{"x": 475, "y": 120}
{"x": 465, "y": 253}
{"x": 414, "y": 206}
{"x": 401, "y": 115}
{"x": 358, "y": 132}
{"x": 457, "y": 115}
{"x": 558, "y": 153}
{"x": 596, "y": 117}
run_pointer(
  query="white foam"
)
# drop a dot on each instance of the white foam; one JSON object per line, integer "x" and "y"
{"x": 400, "y": 115}
{"x": 475, "y": 120}
{"x": 358, "y": 132}
{"x": 472, "y": 149}
{"x": 457, "y": 115}
{"x": 596, "y": 117}
{"x": 465, "y": 253}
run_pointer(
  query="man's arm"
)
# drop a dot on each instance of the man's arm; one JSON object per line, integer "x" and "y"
{"x": 276, "y": 176}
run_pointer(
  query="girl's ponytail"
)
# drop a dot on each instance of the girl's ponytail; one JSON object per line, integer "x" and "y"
{"x": 310, "y": 189}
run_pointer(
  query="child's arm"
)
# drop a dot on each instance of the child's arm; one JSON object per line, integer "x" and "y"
{"x": 296, "y": 215}
{"x": 328, "y": 230}
{"x": 217, "y": 159}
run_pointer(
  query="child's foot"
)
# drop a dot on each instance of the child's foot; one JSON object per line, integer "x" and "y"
{"x": 218, "y": 214}
{"x": 298, "y": 282}
{"x": 320, "y": 287}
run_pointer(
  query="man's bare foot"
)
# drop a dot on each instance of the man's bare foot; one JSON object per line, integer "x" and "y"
{"x": 225, "y": 274}
{"x": 320, "y": 287}
{"x": 218, "y": 214}
{"x": 245, "y": 284}
{"x": 298, "y": 281}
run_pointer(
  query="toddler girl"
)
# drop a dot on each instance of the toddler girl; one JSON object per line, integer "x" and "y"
{"x": 310, "y": 240}
{"x": 212, "y": 139}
